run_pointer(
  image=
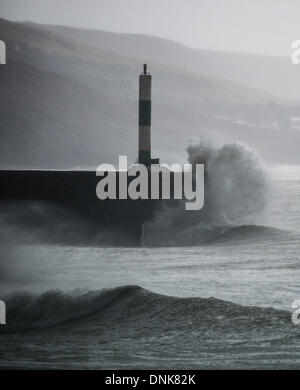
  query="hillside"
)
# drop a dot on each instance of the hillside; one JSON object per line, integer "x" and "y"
{"x": 276, "y": 75}
{"x": 71, "y": 101}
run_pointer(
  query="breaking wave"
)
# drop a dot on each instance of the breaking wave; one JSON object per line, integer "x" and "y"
{"x": 130, "y": 327}
{"x": 236, "y": 193}
{"x": 134, "y": 309}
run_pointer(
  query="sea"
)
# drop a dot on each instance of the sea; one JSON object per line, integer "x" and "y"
{"x": 224, "y": 302}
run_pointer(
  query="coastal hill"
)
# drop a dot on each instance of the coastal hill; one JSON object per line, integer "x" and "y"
{"x": 69, "y": 99}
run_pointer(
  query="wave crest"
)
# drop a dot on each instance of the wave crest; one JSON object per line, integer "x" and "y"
{"x": 132, "y": 308}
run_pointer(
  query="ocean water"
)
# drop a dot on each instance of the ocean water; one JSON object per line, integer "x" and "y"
{"x": 222, "y": 303}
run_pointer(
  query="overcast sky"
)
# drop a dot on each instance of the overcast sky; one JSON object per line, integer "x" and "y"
{"x": 260, "y": 26}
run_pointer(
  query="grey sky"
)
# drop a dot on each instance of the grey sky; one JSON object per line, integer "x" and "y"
{"x": 261, "y": 26}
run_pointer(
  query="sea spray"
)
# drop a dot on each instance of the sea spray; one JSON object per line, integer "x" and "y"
{"x": 236, "y": 193}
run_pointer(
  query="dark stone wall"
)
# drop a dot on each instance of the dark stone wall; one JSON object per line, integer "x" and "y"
{"x": 76, "y": 190}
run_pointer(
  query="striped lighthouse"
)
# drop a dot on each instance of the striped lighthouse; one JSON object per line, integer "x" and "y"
{"x": 145, "y": 84}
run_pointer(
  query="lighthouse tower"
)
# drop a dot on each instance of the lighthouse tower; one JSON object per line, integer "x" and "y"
{"x": 145, "y": 86}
